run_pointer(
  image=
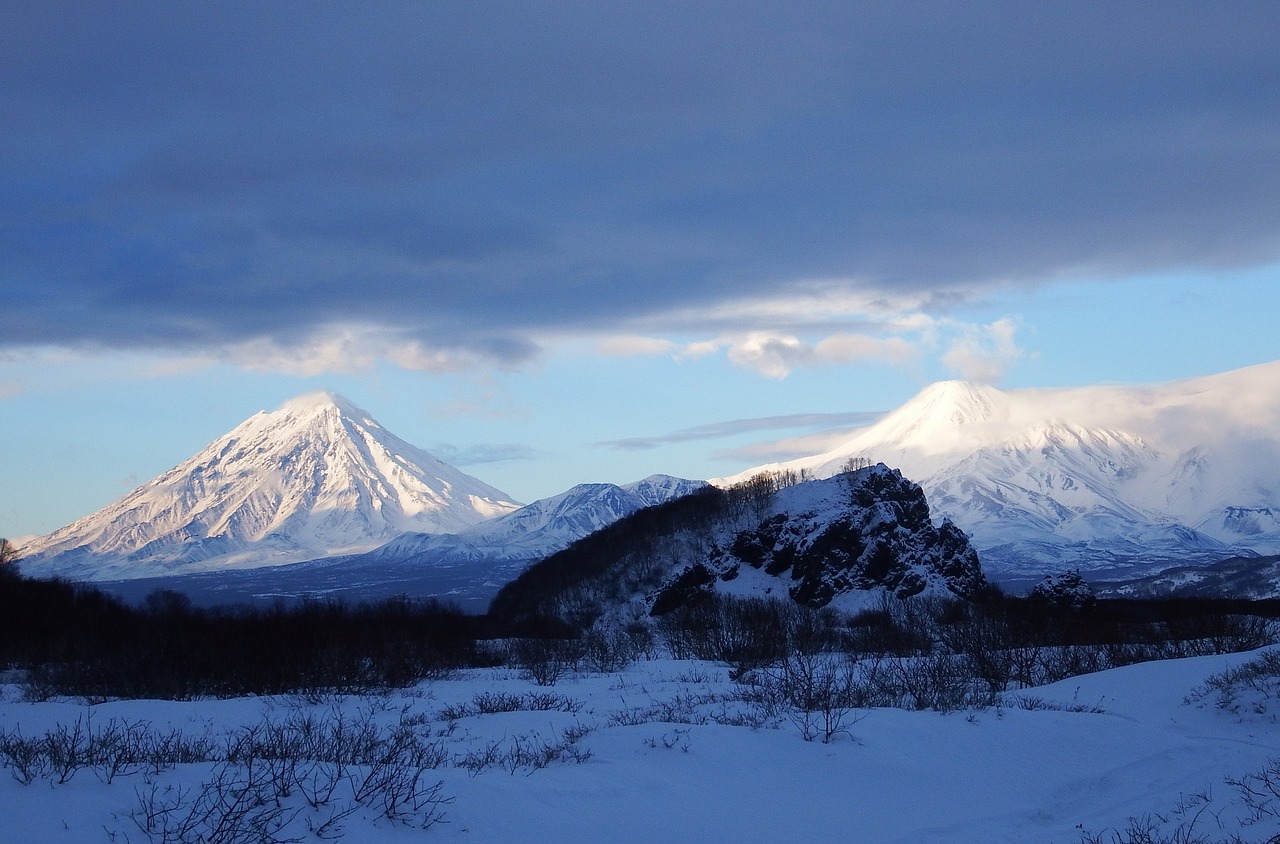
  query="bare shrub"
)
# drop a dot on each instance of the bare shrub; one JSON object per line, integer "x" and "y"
{"x": 530, "y": 752}
{"x": 815, "y": 692}
{"x": 545, "y": 661}
{"x": 25, "y": 758}
{"x": 1251, "y": 814}
{"x": 936, "y": 681}
{"x": 611, "y": 649}
{"x": 1249, "y": 689}
{"x": 234, "y": 806}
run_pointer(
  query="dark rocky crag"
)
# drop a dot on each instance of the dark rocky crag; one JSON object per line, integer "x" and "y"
{"x": 882, "y": 538}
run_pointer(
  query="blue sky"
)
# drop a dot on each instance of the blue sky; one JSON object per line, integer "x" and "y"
{"x": 570, "y": 242}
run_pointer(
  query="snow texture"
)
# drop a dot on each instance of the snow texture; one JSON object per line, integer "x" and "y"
{"x": 1094, "y": 752}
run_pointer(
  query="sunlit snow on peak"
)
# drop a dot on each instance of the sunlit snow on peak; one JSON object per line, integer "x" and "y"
{"x": 320, "y": 400}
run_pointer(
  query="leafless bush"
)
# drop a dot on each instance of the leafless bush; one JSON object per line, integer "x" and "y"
{"x": 529, "y": 752}
{"x": 335, "y": 764}
{"x": 1249, "y": 689}
{"x": 235, "y": 806}
{"x": 1033, "y": 703}
{"x": 1155, "y": 829}
{"x": 545, "y": 661}
{"x": 394, "y": 779}
{"x": 611, "y": 649}
{"x": 1199, "y": 819}
{"x": 892, "y": 628}
{"x": 668, "y": 741}
{"x": 489, "y": 703}
{"x": 817, "y": 693}
{"x": 685, "y": 707}
{"x": 1260, "y": 793}
{"x": 25, "y": 758}
{"x": 111, "y": 750}
{"x": 936, "y": 681}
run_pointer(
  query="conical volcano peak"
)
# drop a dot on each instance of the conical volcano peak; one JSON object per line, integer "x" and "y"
{"x": 959, "y": 402}
{"x": 317, "y": 401}
{"x": 316, "y": 477}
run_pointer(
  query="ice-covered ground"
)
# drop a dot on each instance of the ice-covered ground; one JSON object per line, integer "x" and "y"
{"x": 636, "y": 765}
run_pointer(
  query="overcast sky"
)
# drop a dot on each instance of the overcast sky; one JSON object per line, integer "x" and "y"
{"x": 562, "y": 242}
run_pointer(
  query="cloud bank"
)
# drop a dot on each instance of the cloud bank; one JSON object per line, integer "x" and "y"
{"x": 453, "y": 185}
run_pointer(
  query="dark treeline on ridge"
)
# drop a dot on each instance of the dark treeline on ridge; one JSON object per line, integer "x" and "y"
{"x": 76, "y": 640}
{"x": 73, "y": 640}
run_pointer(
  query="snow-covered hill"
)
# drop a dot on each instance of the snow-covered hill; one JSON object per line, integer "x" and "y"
{"x": 314, "y": 478}
{"x": 1106, "y": 477}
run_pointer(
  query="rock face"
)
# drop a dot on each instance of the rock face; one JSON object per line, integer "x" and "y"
{"x": 816, "y": 542}
{"x": 869, "y": 529}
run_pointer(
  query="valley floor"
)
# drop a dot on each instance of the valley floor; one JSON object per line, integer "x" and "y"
{"x": 635, "y": 765}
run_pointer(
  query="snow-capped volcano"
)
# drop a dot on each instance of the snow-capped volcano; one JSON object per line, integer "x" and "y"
{"x": 1091, "y": 477}
{"x": 316, "y": 477}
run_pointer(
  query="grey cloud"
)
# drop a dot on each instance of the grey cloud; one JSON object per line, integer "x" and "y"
{"x": 472, "y": 174}
{"x": 485, "y": 453}
{"x": 734, "y": 427}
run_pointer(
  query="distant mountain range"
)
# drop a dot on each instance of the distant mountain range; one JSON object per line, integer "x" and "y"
{"x": 466, "y": 568}
{"x": 1114, "y": 480}
{"x": 316, "y": 497}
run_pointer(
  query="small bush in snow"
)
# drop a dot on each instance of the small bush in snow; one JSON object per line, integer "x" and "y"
{"x": 1250, "y": 814}
{"x": 1251, "y": 689}
{"x": 545, "y": 661}
{"x": 817, "y": 693}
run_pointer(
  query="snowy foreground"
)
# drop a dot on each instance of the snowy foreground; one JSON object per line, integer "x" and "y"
{"x": 633, "y": 764}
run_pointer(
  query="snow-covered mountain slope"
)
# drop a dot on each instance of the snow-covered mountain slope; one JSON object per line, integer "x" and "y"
{"x": 1090, "y": 477}
{"x": 1252, "y": 578}
{"x": 539, "y": 528}
{"x": 316, "y": 477}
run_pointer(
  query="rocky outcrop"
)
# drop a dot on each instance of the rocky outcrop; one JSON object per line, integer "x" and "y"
{"x": 858, "y": 531}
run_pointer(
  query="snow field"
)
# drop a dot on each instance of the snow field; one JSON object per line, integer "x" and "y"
{"x": 639, "y": 756}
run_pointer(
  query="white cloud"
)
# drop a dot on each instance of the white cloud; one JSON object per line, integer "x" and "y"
{"x": 771, "y": 355}
{"x": 346, "y": 349}
{"x": 830, "y": 302}
{"x": 777, "y": 355}
{"x": 822, "y": 325}
{"x": 633, "y": 345}
{"x": 984, "y": 352}
{"x": 777, "y": 451}
{"x": 700, "y": 349}
{"x": 855, "y": 348}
